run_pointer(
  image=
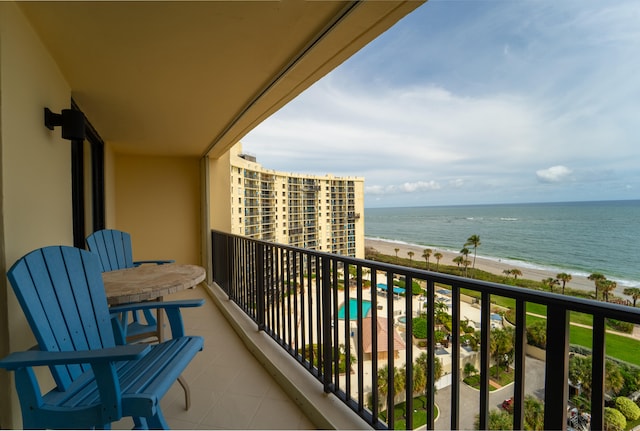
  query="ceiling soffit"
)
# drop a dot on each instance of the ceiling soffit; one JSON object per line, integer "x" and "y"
{"x": 190, "y": 78}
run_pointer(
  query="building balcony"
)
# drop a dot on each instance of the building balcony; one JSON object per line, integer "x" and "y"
{"x": 230, "y": 388}
{"x": 297, "y": 298}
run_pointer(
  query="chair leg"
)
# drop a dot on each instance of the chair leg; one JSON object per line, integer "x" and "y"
{"x": 187, "y": 392}
{"x": 140, "y": 424}
{"x": 157, "y": 421}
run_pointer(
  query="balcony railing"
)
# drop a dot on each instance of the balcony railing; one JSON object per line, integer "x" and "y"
{"x": 316, "y": 306}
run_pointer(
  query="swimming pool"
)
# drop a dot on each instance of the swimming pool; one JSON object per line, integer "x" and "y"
{"x": 353, "y": 309}
{"x": 397, "y": 290}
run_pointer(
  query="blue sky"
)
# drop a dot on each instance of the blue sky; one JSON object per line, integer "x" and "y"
{"x": 472, "y": 102}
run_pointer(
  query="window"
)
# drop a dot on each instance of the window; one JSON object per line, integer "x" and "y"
{"x": 87, "y": 184}
{"x": 240, "y": 220}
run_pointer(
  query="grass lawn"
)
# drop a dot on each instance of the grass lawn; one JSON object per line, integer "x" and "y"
{"x": 618, "y": 346}
{"x": 632, "y": 424}
{"x": 419, "y": 413}
{"x": 503, "y": 378}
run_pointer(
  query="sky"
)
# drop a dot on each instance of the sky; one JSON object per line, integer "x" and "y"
{"x": 476, "y": 102}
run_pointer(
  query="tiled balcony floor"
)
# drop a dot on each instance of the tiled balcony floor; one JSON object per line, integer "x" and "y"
{"x": 229, "y": 388}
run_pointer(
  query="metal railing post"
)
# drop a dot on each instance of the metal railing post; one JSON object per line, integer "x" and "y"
{"x": 485, "y": 359}
{"x": 327, "y": 351}
{"x": 556, "y": 387}
{"x": 519, "y": 364}
{"x": 598, "y": 370}
{"x": 260, "y": 287}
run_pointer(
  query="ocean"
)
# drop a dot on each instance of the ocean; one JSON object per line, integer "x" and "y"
{"x": 579, "y": 238}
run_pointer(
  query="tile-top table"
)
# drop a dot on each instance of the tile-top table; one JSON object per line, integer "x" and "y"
{"x": 150, "y": 282}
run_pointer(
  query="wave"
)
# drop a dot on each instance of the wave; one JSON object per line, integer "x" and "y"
{"x": 517, "y": 263}
{"x": 509, "y": 218}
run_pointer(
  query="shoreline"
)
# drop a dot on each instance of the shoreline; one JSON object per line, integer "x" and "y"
{"x": 496, "y": 267}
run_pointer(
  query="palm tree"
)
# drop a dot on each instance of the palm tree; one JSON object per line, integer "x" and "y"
{"x": 410, "y": 253}
{"x": 633, "y": 292}
{"x": 458, "y": 260}
{"x": 564, "y": 278}
{"x": 597, "y": 279}
{"x": 515, "y": 272}
{"x": 383, "y": 384}
{"x": 469, "y": 369}
{"x": 419, "y": 380}
{"x": 422, "y": 361}
{"x": 399, "y": 384}
{"x": 465, "y": 254}
{"x": 396, "y": 250}
{"x": 533, "y": 413}
{"x": 440, "y": 311}
{"x": 502, "y": 345}
{"x": 426, "y": 255}
{"x": 473, "y": 240}
{"x": 438, "y": 256}
{"x": 550, "y": 282}
{"x": 607, "y": 287}
{"x": 466, "y": 264}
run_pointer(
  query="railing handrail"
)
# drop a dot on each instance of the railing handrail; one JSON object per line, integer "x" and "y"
{"x": 589, "y": 306}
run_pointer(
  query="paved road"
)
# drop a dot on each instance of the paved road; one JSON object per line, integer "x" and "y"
{"x": 470, "y": 398}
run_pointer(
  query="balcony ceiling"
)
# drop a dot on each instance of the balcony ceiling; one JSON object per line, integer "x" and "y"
{"x": 192, "y": 78}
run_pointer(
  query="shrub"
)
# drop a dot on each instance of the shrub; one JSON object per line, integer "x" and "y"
{"x": 614, "y": 420}
{"x": 621, "y": 326}
{"x": 537, "y": 334}
{"x": 439, "y": 336}
{"x": 420, "y": 327}
{"x": 628, "y": 408}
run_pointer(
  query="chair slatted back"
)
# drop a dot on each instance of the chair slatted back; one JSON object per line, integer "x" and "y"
{"x": 62, "y": 295}
{"x": 113, "y": 247}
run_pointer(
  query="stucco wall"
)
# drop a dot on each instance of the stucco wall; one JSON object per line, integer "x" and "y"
{"x": 220, "y": 202}
{"x": 36, "y": 173}
{"x": 157, "y": 201}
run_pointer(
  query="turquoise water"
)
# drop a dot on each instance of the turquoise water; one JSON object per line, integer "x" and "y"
{"x": 353, "y": 309}
{"x": 575, "y": 237}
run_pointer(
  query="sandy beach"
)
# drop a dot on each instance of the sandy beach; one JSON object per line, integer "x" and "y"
{"x": 495, "y": 267}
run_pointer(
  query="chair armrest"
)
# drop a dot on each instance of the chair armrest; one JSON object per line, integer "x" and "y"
{"x": 36, "y": 358}
{"x": 151, "y": 305}
{"x": 157, "y": 262}
{"x": 172, "y": 308}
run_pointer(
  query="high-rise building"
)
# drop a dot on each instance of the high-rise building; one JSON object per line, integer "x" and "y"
{"x": 323, "y": 213}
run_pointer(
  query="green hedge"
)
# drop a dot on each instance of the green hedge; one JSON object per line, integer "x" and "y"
{"x": 628, "y": 408}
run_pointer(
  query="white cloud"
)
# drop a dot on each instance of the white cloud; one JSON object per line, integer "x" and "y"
{"x": 554, "y": 174}
{"x": 463, "y": 97}
{"x": 414, "y": 187}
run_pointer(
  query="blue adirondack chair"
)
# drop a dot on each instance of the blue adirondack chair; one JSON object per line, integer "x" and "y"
{"x": 114, "y": 249}
{"x": 98, "y": 382}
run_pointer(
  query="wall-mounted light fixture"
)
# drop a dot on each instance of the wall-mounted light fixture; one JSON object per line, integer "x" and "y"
{"x": 71, "y": 120}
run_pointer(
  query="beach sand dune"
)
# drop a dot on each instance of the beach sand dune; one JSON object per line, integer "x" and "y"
{"x": 492, "y": 266}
